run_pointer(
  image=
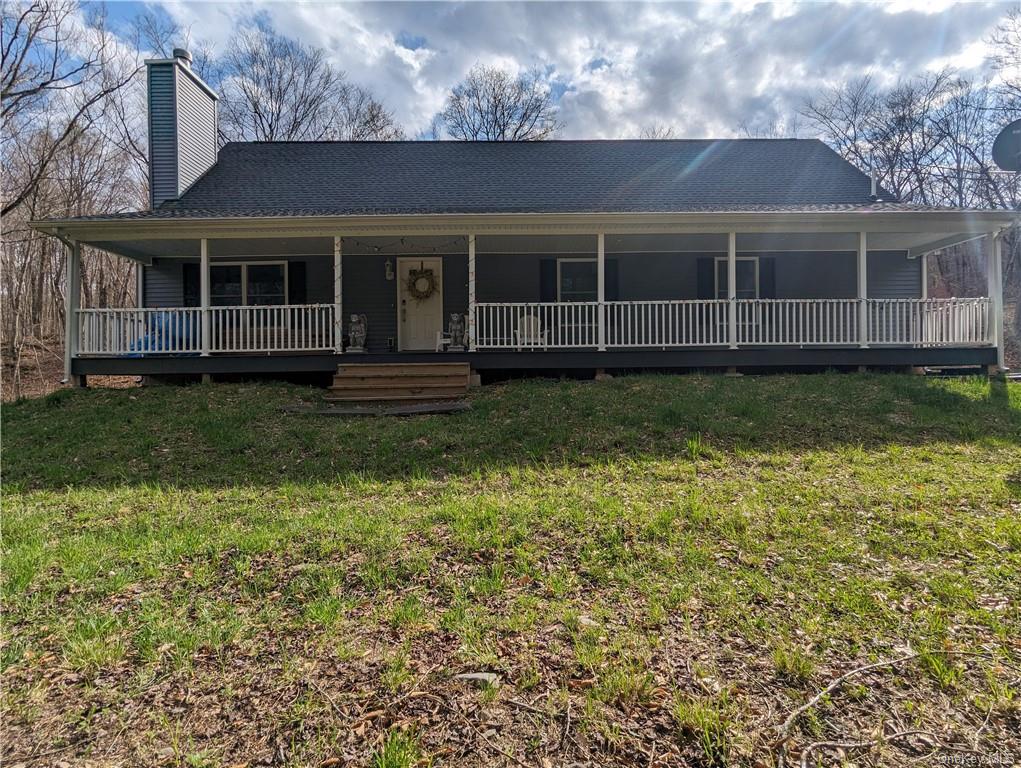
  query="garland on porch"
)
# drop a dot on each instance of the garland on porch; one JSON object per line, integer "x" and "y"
{"x": 421, "y": 284}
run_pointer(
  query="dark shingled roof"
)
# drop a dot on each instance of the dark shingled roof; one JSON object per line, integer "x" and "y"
{"x": 424, "y": 177}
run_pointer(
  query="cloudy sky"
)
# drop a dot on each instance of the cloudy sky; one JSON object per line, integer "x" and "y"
{"x": 704, "y": 68}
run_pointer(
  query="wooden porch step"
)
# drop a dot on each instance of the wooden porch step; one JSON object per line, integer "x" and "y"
{"x": 402, "y": 382}
{"x": 401, "y": 369}
{"x": 398, "y": 380}
{"x": 404, "y": 399}
{"x": 395, "y": 393}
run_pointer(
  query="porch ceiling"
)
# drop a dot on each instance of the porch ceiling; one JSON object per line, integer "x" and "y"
{"x": 146, "y": 249}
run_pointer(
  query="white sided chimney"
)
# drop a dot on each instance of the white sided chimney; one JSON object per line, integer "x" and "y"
{"x": 182, "y": 127}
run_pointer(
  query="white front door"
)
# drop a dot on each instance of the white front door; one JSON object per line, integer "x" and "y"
{"x": 419, "y": 302}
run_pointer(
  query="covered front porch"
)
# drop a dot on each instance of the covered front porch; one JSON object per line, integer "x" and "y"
{"x": 660, "y": 294}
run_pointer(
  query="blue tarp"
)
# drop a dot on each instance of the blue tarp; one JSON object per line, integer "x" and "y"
{"x": 165, "y": 332}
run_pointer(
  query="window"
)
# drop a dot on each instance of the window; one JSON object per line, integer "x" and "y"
{"x": 226, "y": 285}
{"x": 747, "y": 277}
{"x": 577, "y": 280}
{"x": 266, "y": 284}
{"x": 258, "y": 283}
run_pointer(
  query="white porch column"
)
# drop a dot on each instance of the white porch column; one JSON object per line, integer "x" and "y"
{"x": 863, "y": 291}
{"x": 601, "y": 288}
{"x": 471, "y": 292}
{"x": 72, "y": 304}
{"x": 204, "y": 295}
{"x": 338, "y": 297}
{"x": 139, "y": 285}
{"x": 732, "y": 289}
{"x": 924, "y": 258}
{"x": 994, "y": 278}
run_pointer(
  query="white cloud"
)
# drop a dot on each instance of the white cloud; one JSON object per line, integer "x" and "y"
{"x": 704, "y": 68}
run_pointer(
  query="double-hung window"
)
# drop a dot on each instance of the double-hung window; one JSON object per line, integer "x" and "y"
{"x": 577, "y": 280}
{"x": 747, "y": 277}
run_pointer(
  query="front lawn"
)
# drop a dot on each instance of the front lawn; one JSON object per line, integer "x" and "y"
{"x": 651, "y": 571}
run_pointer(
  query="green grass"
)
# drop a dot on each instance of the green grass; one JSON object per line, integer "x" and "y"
{"x": 194, "y": 570}
{"x": 706, "y": 720}
{"x": 400, "y": 750}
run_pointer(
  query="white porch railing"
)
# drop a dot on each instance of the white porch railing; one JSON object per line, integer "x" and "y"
{"x": 666, "y": 323}
{"x": 537, "y": 325}
{"x": 553, "y": 325}
{"x": 797, "y": 322}
{"x": 178, "y": 330}
{"x": 279, "y": 328}
{"x": 119, "y": 332}
{"x": 930, "y": 322}
{"x": 760, "y": 322}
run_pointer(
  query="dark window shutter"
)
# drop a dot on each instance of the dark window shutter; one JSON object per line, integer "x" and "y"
{"x": 706, "y": 278}
{"x": 612, "y": 287}
{"x": 767, "y": 278}
{"x": 191, "y": 290}
{"x": 297, "y": 285}
{"x": 548, "y": 280}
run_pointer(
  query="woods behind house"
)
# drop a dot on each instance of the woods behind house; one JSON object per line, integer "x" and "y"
{"x": 74, "y": 142}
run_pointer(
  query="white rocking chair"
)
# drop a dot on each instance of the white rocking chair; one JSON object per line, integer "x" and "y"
{"x": 530, "y": 333}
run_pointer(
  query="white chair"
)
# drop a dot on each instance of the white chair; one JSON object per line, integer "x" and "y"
{"x": 530, "y": 333}
{"x": 442, "y": 340}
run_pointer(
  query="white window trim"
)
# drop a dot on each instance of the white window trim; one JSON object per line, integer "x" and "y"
{"x": 592, "y": 260}
{"x": 716, "y": 273}
{"x": 244, "y": 276}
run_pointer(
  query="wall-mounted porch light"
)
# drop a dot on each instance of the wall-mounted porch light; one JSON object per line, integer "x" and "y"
{"x": 389, "y": 269}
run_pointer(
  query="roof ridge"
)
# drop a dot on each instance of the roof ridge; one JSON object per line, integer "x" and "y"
{"x": 458, "y": 142}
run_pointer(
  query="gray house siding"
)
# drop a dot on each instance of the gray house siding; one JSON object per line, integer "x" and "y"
{"x": 182, "y": 132}
{"x": 832, "y": 275}
{"x": 163, "y": 283}
{"x": 162, "y": 133}
{"x": 664, "y": 276}
{"x": 455, "y": 286}
{"x": 196, "y": 120}
{"x": 366, "y": 291}
{"x": 656, "y": 276}
{"x": 507, "y": 277}
{"x": 892, "y": 275}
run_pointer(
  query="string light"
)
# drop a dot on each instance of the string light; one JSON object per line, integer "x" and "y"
{"x": 413, "y": 248}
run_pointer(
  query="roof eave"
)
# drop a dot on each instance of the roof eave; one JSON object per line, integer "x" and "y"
{"x": 551, "y": 223}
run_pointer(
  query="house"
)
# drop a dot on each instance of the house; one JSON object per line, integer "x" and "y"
{"x": 298, "y": 257}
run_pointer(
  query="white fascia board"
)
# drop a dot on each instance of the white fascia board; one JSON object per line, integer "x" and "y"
{"x": 946, "y": 223}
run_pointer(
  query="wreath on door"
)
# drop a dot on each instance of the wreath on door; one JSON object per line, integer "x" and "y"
{"x": 421, "y": 284}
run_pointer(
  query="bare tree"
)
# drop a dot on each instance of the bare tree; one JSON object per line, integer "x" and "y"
{"x": 493, "y": 105}
{"x": 277, "y": 89}
{"x": 931, "y": 139}
{"x": 657, "y": 131}
{"x": 58, "y": 72}
{"x": 1006, "y": 56}
{"x": 86, "y": 175}
{"x": 894, "y": 129}
{"x": 775, "y": 128}
{"x": 362, "y": 118}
